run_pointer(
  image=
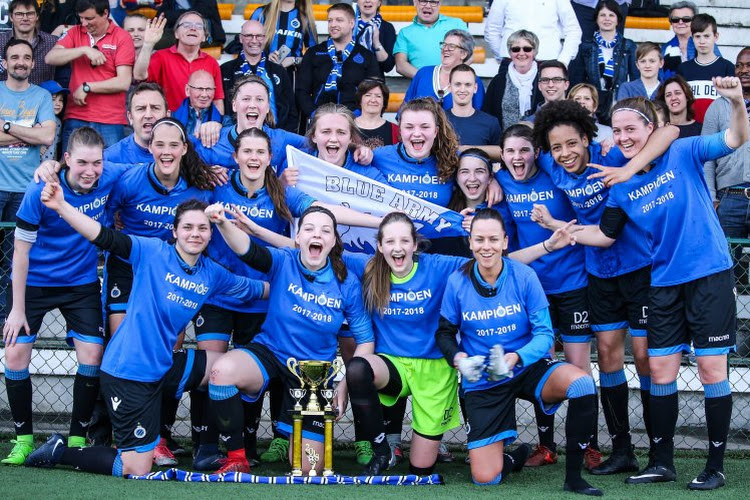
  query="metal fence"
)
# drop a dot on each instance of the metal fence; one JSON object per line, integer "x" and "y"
{"x": 53, "y": 366}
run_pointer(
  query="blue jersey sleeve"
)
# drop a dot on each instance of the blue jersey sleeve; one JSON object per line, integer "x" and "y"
{"x": 537, "y": 308}
{"x": 298, "y": 201}
{"x": 144, "y": 248}
{"x": 449, "y": 308}
{"x": 709, "y": 147}
{"x": 31, "y": 208}
{"x": 360, "y": 323}
{"x": 240, "y": 287}
{"x": 614, "y": 157}
{"x": 356, "y": 263}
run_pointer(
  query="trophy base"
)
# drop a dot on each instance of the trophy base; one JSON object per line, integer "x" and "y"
{"x": 328, "y": 472}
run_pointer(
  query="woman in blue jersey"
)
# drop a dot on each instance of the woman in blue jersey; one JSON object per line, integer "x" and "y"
{"x": 289, "y": 23}
{"x": 171, "y": 282}
{"x": 618, "y": 277}
{"x": 54, "y": 268}
{"x": 691, "y": 297}
{"x": 267, "y": 210}
{"x": 498, "y": 305}
{"x": 562, "y": 274}
{"x": 312, "y": 293}
{"x": 402, "y": 291}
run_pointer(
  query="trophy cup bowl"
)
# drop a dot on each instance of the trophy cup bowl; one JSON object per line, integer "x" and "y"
{"x": 312, "y": 374}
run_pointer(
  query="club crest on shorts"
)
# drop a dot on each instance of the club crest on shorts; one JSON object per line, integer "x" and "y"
{"x": 140, "y": 431}
{"x": 199, "y": 320}
{"x": 115, "y": 292}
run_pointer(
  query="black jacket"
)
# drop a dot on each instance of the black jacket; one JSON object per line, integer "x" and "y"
{"x": 493, "y": 98}
{"x": 286, "y": 112}
{"x": 209, "y": 9}
{"x": 315, "y": 68}
{"x": 388, "y": 41}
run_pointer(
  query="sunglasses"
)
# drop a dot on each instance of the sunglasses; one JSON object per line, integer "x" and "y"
{"x": 526, "y": 49}
{"x": 684, "y": 19}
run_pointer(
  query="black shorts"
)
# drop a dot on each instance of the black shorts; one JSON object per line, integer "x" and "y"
{"x": 491, "y": 413}
{"x": 119, "y": 282}
{"x": 570, "y": 315}
{"x": 135, "y": 407}
{"x": 216, "y": 323}
{"x": 620, "y": 302}
{"x": 272, "y": 368}
{"x": 80, "y": 306}
{"x": 703, "y": 311}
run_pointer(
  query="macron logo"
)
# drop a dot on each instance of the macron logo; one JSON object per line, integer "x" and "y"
{"x": 115, "y": 402}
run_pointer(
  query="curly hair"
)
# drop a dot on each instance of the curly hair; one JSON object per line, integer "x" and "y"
{"x": 192, "y": 168}
{"x": 558, "y": 113}
{"x": 445, "y": 147}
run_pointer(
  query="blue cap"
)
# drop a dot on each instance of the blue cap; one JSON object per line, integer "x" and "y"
{"x": 53, "y": 87}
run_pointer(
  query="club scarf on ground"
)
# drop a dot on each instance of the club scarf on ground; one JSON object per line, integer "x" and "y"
{"x": 329, "y": 183}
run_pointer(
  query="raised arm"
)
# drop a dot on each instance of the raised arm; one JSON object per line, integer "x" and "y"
{"x": 256, "y": 256}
{"x": 350, "y": 217}
{"x": 53, "y": 198}
{"x": 739, "y": 128}
{"x": 154, "y": 32}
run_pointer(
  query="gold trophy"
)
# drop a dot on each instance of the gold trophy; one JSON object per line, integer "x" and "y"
{"x": 313, "y": 374}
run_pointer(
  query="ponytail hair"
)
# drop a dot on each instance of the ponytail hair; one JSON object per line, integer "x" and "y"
{"x": 482, "y": 214}
{"x": 336, "y": 253}
{"x": 445, "y": 147}
{"x": 195, "y": 172}
{"x": 272, "y": 183}
{"x": 644, "y": 108}
{"x": 376, "y": 281}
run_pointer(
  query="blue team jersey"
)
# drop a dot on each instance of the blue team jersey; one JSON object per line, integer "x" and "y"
{"x": 672, "y": 204}
{"x": 503, "y": 319}
{"x": 408, "y": 324}
{"x": 221, "y": 153}
{"x": 417, "y": 177}
{"x": 260, "y": 209}
{"x": 128, "y": 151}
{"x": 349, "y": 164}
{"x": 305, "y": 316}
{"x": 146, "y": 206}
{"x": 588, "y": 197}
{"x": 166, "y": 295}
{"x": 60, "y": 256}
{"x": 560, "y": 271}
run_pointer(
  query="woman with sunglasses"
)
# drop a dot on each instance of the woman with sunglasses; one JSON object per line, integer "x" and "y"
{"x": 681, "y": 47}
{"x": 456, "y": 48}
{"x": 514, "y": 92}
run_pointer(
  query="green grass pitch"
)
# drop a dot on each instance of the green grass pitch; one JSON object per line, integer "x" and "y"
{"x": 542, "y": 483}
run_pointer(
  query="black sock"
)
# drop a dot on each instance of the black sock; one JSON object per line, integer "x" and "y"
{"x": 545, "y": 425}
{"x": 252, "y": 413}
{"x": 198, "y": 402}
{"x": 718, "y": 415}
{"x": 368, "y": 413}
{"x": 614, "y": 397}
{"x": 227, "y": 405}
{"x": 169, "y": 405}
{"x": 393, "y": 417}
{"x": 209, "y": 431}
{"x": 275, "y": 398}
{"x": 594, "y": 436}
{"x": 663, "y": 422}
{"x": 100, "y": 428}
{"x": 578, "y": 424}
{"x": 96, "y": 459}
{"x": 85, "y": 392}
{"x": 18, "y": 387}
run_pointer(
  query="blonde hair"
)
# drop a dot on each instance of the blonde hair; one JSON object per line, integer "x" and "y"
{"x": 577, "y": 88}
{"x": 272, "y": 12}
{"x": 332, "y": 108}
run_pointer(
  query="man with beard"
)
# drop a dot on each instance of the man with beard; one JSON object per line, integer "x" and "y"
{"x": 728, "y": 178}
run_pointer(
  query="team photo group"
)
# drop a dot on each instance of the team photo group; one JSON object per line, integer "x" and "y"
{"x": 345, "y": 249}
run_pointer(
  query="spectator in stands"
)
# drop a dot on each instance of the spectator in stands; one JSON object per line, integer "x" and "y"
{"x": 101, "y": 72}
{"x": 553, "y": 83}
{"x": 135, "y": 25}
{"x": 56, "y": 16}
{"x": 289, "y": 23}
{"x": 26, "y": 123}
{"x": 698, "y": 72}
{"x": 417, "y": 44}
{"x": 171, "y": 68}
{"x": 586, "y": 95}
{"x": 331, "y": 71}
{"x": 253, "y": 61}
{"x": 434, "y": 81}
{"x": 198, "y": 106}
{"x": 608, "y": 61}
{"x": 374, "y": 33}
{"x": 372, "y": 97}
{"x": 146, "y": 104}
{"x": 173, "y": 10}
{"x": 58, "y": 94}
{"x": 649, "y": 62}
{"x": 729, "y": 177}
{"x": 584, "y": 10}
{"x": 515, "y": 90}
{"x": 679, "y": 99}
{"x": 474, "y": 128}
{"x": 552, "y": 21}
{"x": 681, "y": 48}
{"x": 24, "y": 15}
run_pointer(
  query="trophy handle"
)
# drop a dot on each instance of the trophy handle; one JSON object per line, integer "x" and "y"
{"x": 293, "y": 365}
{"x": 336, "y": 366}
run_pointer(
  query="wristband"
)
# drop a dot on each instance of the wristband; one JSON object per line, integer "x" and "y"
{"x": 544, "y": 245}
